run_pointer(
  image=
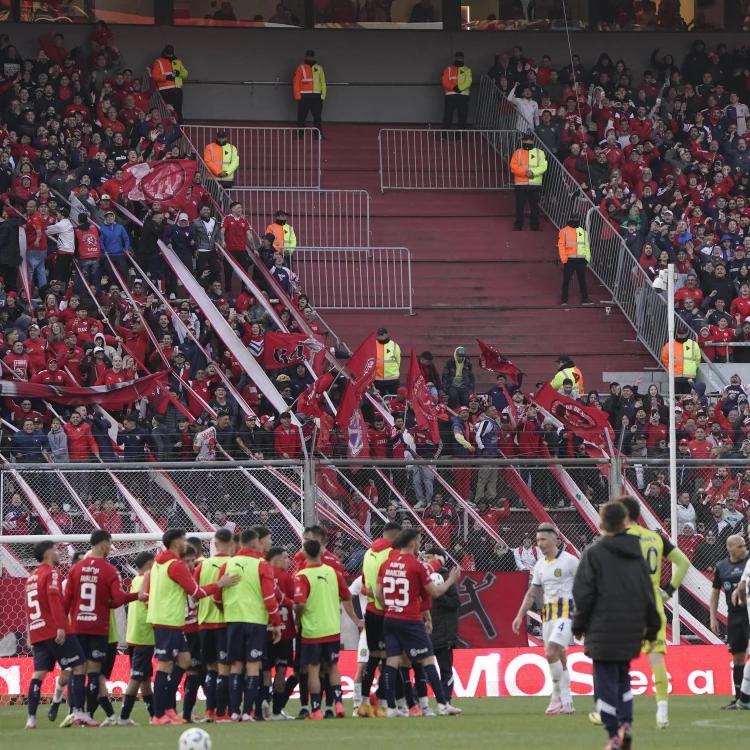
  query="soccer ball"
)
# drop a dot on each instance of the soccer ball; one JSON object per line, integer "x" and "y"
{"x": 436, "y": 578}
{"x": 194, "y": 739}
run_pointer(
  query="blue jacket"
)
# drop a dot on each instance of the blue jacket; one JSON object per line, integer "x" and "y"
{"x": 30, "y": 446}
{"x": 487, "y": 431}
{"x": 114, "y": 239}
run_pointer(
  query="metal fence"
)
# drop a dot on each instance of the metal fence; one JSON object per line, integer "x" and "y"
{"x": 321, "y": 218}
{"x": 342, "y": 278}
{"x": 562, "y": 197}
{"x": 270, "y": 157}
{"x": 443, "y": 159}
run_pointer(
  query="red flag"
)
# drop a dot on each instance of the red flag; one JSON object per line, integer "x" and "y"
{"x": 352, "y": 423}
{"x": 587, "y": 422}
{"x": 162, "y": 181}
{"x": 490, "y": 359}
{"x": 422, "y": 402}
{"x": 309, "y": 402}
{"x": 107, "y": 396}
{"x": 287, "y": 349}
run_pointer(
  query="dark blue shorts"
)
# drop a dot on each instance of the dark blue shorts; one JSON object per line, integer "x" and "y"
{"x": 194, "y": 646}
{"x": 169, "y": 642}
{"x": 214, "y": 646}
{"x": 407, "y": 636}
{"x": 141, "y": 663}
{"x": 94, "y": 646}
{"x": 319, "y": 653}
{"x": 109, "y": 662}
{"x": 297, "y": 652}
{"x": 47, "y": 653}
{"x": 279, "y": 654}
{"x": 246, "y": 641}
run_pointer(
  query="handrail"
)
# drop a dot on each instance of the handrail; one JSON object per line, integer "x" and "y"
{"x": 611, "y": 260}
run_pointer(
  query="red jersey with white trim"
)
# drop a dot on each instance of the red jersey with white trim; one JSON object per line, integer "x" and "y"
{"x": 93, "y": 587}
{"x": 404, "y": 579}
{"x": 285, "y": 597}
{"x": 45, "y": 613}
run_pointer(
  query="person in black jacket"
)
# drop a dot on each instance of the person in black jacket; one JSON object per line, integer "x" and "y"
{"x": 616, "y": 611}
{"x": 10, "y": 249}
{"x": 444, "y": 615}
{"x": 458, "y": 379}
{"x": 148, "y": 248}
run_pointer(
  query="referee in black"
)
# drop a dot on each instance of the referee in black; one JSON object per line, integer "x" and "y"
{"x": 727, "y": 575}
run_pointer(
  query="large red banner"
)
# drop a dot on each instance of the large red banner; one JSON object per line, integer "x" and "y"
{"x": 489, "y": 603}
{"x": 693, "y": 670}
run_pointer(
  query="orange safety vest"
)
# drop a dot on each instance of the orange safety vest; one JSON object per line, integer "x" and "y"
{"x": 278, "y": 233}
{"x": 521, "y": 161}
{"x": 308, "y": 81}
{"x": 159, "y": 72}
{"x": 215, "y": 162}
{"x": 569, "y": 246}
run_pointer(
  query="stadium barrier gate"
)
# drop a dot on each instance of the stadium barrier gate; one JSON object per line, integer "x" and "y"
{"x": 483, "y": 513}
{"x": 320, "y": 218}
{"x": 270, "y": 157}
{"x": 340, "y": 278}
{"x": 429, "y": 159}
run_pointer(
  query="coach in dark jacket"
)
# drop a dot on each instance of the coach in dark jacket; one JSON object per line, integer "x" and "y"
{"x": 444, "y": 614}
{"x": 616, "y": 611}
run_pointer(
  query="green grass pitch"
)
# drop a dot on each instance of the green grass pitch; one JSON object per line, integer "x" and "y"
{"x": 497, "y": 723}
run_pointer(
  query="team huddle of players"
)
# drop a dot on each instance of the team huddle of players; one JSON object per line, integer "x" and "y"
{"x": 234, "y": 624}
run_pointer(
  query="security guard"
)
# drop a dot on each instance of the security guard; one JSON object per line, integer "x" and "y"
{"x": 388, "y": 363}
{"x": 573, "y": 244}
{"x": 528, "y": 165}
{"x": 284, "y": 238}
{"x": 169, "y": 73}
{"x": 310, "y": 92}
{"x": 687, "y": 357}
{"x": 222, "y": 159}
{"x": 567, "y": 370}
{"x": 456, "y": 84}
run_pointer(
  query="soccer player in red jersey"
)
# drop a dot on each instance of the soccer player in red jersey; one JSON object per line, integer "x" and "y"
{"x": 403, "y": 585}
{"x": 93, "y": 588}
{"x": 280, "y": 656}
{"x": 49, "y": 636}
{"x": 319, "y": 534}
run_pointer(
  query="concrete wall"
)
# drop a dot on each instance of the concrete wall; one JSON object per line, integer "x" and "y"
{"x": 392, "y": 76}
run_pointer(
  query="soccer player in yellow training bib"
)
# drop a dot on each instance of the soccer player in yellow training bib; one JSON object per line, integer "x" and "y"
{"x": 654, "y": 548}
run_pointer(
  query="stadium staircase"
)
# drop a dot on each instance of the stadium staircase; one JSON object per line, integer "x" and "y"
{"x": 473, "y": 276}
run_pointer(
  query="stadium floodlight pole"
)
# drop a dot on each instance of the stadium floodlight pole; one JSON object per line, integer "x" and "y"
{"x": 672, "y": 445}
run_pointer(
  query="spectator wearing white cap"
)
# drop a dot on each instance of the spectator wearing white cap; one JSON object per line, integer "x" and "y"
{"x": 183, "y": 239}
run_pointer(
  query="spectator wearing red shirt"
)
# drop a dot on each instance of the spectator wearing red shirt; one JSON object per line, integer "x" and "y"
{"x": 688, "y": 541}
{"x": 287, "y": 439}
{"x": 493, "y": 515}
{"x": 36, "y": 348}
{"x": 740, "y": 307}
{"x": 81, "y": 444}
{"x": 655, "y": 430}
{"x": 699, "y": 446}
{"x": 36, "y": 244}
{"x": 52, "y": 375}
{"x": 236, "y": 237}
{"x": 19, "y": 362}
{"x": 439, "y": 526}
{"x": 109, "y": 518}
{"x": 62, "y": 518}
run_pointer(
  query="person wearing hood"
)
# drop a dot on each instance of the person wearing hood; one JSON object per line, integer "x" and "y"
{"x": 458, "y": 379}
{"x": 695, "y": 64}
{"x": 575, "y": 254}
{"x": 719, "y": 285}
{"x": 687, "y": 357}
{"x": 169, "y": 73}
{"x": 616, "y": 610}
{"x": 387, "y": 363}
{"x": 310, "y": 92}
{"x": 566, "y": 369}
{"x": 222, "y": 159}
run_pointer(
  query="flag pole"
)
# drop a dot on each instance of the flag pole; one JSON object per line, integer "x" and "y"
{"x": 672, "y": 445}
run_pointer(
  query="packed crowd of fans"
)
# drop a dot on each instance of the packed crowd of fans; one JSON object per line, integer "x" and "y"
{"x": 664, "y": 153}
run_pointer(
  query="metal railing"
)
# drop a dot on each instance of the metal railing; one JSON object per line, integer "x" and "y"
{"x": 562, "y": 197}
{"x": 321, "y": 218}
{"x": 270, "y": 157}
{"x": 343, "y": 278}
{"x": 443, "y": 159}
